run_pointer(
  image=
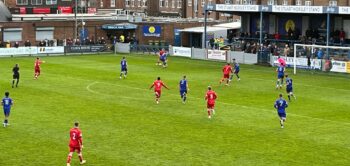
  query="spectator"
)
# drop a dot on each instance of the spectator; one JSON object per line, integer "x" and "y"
{"x": 286, "y": 50}
{"x": 42, "y": 43}
{"x": 103, "y": 41}
{"x": 8, "y": 44}
{"x": 16, "y": 44}
{"x": 1, "y": 44}
{"x": 77, "y": 42}
{"x": 211, "y": 43}
{"x": 342, "y": 36}
{"x": 276, "y": 51}
{"x": 320, "y": 54}
{"x": 277, "y": 36}
{"x": 121, "y": 38}
{"x": 27, "y": 43}
{"x": 308, "y": 34}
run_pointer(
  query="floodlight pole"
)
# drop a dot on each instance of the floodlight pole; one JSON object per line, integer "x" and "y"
{"x": 328, "y": 28}
{"x": 205, "y": 26}
{"x": 76, "y": 21}
{"x": 260, "y": 37}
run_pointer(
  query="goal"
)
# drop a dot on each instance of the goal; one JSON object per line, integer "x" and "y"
{"x": 319, "y": 57}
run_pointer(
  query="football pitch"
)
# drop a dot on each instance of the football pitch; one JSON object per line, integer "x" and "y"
{"x": 122, "y": 124}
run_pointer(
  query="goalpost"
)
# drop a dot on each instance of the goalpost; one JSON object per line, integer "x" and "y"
{"x": 324, "y": 58}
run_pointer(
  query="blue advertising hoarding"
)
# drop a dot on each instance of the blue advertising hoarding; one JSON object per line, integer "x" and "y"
{"x": 153, "y": 31}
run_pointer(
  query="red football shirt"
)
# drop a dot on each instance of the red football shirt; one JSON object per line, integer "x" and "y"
{"x": 227, "y": 69}
{"x": 210, "y": 97}
{"x": 75, "y": 137}
{"x": 161, "y": 53}
{"x": 158, "y": 85}
{"x": 37, "y": 63}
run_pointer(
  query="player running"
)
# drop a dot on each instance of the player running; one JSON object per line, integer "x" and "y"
{"x": 161, "y": 52}
{"x": 281, "y": 106}
{"x": 183, "y": 86}
{"x": 289, "y": 87}
{"x": 158, "y": 84}
{"x": 164, "y": 59}
{"x": 124, "y": 68}
{"x": 75, "y": 144}
{"x": 7, "y": 104}
{"x": 210, "y": 97}
{"x": 236, "y": 70}
{"x": 37, "y": 64}
{"x": 226, "y": 70}
{"x": 15, "y": 71}
{"x": 280, "y": 74}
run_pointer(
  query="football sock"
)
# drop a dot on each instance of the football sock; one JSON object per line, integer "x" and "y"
{"x": 237, "y": 76}
{"x": 208, "y": 112}
{"x": 13, "y": 82}
{"x": 185, "y": 98}
{"x": 289, "y": 97}
{"x": 69, "y": 158}
{"x": 6, "y": 121}
{"x": 281, "y": 122}
{"x": 17, "y": 82}
{"x": 80, "y": 157}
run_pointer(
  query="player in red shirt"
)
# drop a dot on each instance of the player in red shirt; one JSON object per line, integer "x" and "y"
{"x": 75, "y": 144}
{"x": 210, "y": 97}
{"x": 37, "y": 64}
{"x": 158, "y": 84}
{"x": 227, "y": 70}
{"x": 161, "y": 52}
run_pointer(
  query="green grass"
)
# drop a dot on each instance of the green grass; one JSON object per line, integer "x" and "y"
{"x": 122, "y": 125}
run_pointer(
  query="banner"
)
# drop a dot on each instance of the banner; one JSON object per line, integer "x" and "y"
{"x": 300, "y": 62}
{"x": 79, "y": 49}
{"x": 255, "y": 24}
{"x": 50, "y": 50}
{"x": 154, "y": 31}
{"x": 182, "y": 51}
{"x": 18, "y": 51}
{"x": 217, "y": 54}
{"x": 348, "y": 67}
{"x": 287, "y": 23}
{"x": 338, "y": 66}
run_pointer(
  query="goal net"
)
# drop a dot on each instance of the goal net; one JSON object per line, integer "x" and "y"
{"x": 317, "y": 57}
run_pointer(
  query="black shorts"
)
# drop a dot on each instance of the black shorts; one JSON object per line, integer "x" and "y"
{"x": 16, "y": 76}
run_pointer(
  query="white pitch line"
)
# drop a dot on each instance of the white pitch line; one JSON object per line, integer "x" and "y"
{"x": 243, "y": 106}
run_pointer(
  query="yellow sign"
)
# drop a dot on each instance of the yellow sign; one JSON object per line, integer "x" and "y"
{"x": 290, "y": 24}
{"x": 348, "y": 67}
{"x": 152, "y": 29}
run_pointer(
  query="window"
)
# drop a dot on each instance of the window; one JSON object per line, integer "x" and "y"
{"x": 271, "y": 2}
{"x": 13, "y": 34}
{"x": 166, "y": 3}
{"x": 37, "y": 2}
{"x": 127, "y": 3}
{"x": 298, "y": 3}
{"x": 332, "y": 3}
{"x": 161, "y": 3}
{"x": 203, "y": 2}
{"x": 247, "y": 2}
{"x": 144, "y": 3}
{"x": 285, "y": 2}
{"x": 189, "y": 2}
{"x": 132, "y": 3}
{"x": 138, "y": 3}
{"x": 22, "y": 2}
{"x": 307, "y": 3}
{"x": 238, "y": 2}
{"x": 210, "y": 2}
{"x": 227, "y": 1}
{"x": 51, "y": 2}
{"x": 44, "y": 33}
{"x": 172, "y": 3}
{"x": 112, "y": 3}
{"x": 179, "y": 3}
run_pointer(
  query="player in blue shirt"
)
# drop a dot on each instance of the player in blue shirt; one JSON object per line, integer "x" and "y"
{"x": 236, "y": 69}
{"x": 6, "y": 102}
{"x": 289, "y": 87}
{"x": 281, "y": 106}
{"x": 124, "y": 68}
{"x": 163, "y": 58}
{"x": 183, "y": 86}
{"x": 280, "y": 75}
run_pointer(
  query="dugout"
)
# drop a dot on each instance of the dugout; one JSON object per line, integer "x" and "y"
{"x": 116, "y": 30}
